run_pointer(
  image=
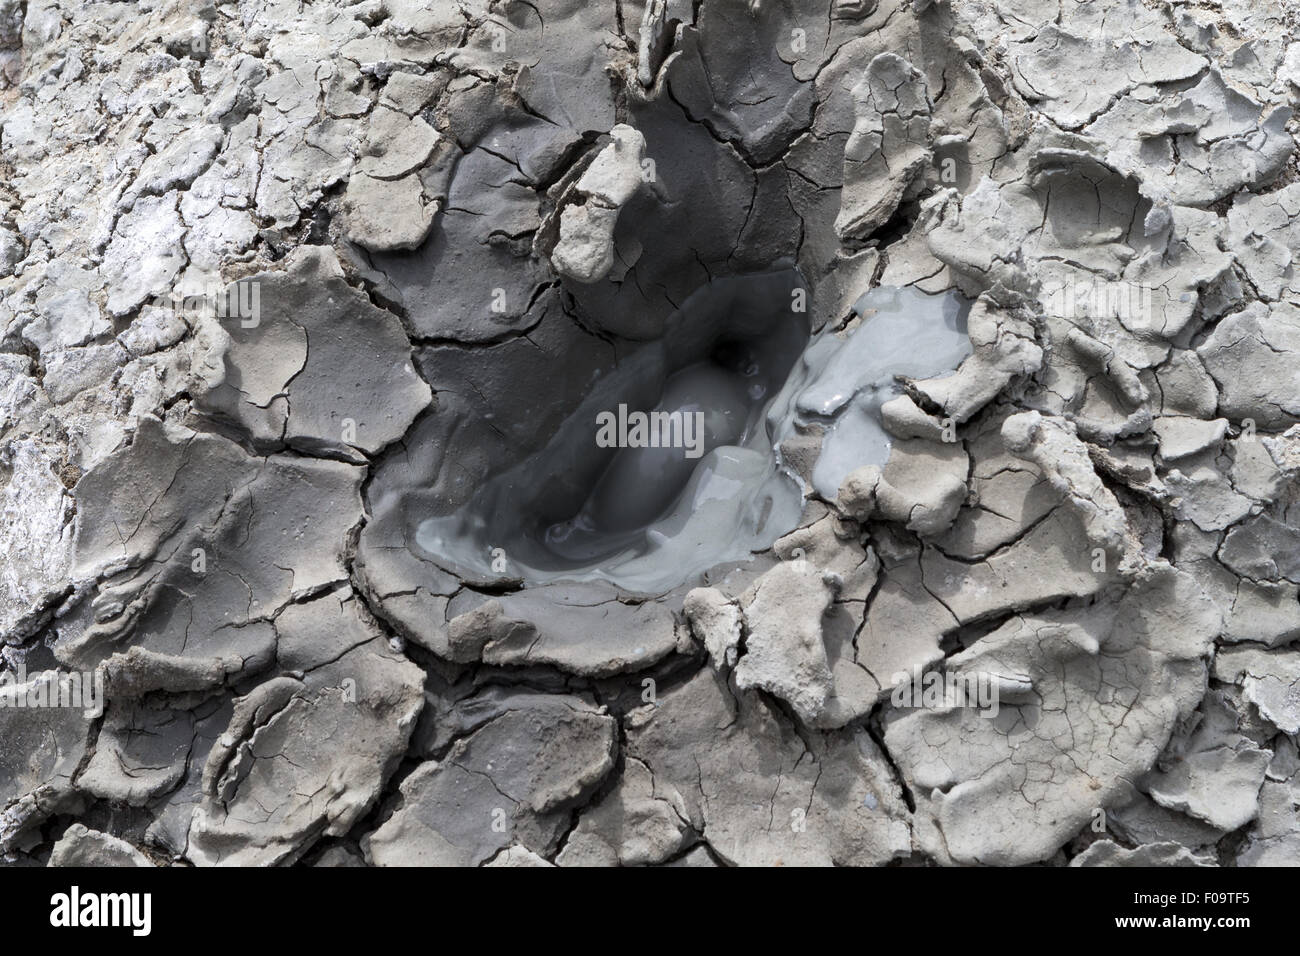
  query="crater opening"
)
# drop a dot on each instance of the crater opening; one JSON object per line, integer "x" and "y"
{"x": 664, "y": 469}
{"x": 670, "y": 464}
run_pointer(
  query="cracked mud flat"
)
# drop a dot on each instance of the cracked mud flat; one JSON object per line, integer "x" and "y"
{"x": 281, "y": 282}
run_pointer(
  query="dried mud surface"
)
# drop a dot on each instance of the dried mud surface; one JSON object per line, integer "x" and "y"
{"x": 437, "y": 223}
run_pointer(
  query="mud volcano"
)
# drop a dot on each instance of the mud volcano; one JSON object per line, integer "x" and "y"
{"x": 646, "y": 511}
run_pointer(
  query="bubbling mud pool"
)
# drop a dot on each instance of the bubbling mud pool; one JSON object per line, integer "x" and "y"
{"x": 670, "y": 465}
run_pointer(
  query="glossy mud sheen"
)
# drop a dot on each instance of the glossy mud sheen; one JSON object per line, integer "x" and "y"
{"x": 903, "y": 332}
